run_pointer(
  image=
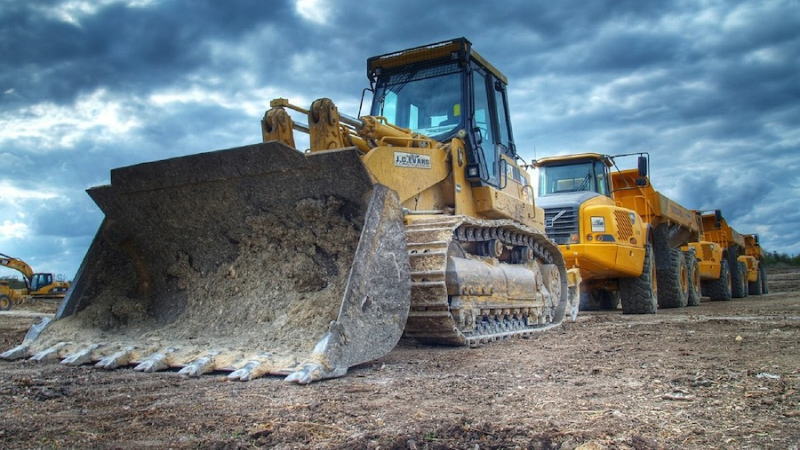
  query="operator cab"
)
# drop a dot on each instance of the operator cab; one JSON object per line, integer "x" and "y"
{"x": 565, "y": 183}
{"x": 447, "y": 90}
{"x": 578, "y": 173}
{"x": 39, "y": 280}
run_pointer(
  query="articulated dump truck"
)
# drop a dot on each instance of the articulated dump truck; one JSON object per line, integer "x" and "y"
{"x": 623, "y": 235}
{"x": 753, "y": 259}
{"x": 415, "y": 219}
{"x": 729, "y": 262}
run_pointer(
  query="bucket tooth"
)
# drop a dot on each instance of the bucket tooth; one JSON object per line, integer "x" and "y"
{"x": 117, "y": 359}
{"x": 155, "y": 362}
{"x": 52, "y": 352}
{"x": 255, "y": 368}
{"x": 82, "y": 356}
{"x": 314, "y": 372}
{"x": 199, "y": 366}
{"x": 18, "y": 352}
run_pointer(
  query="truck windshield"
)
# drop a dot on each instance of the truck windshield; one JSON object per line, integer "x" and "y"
{"x": 571, "y": 178}
{"x": 426, "y": 100}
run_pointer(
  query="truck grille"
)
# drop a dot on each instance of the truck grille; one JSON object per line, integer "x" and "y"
{"x": 623, "y": 225}
{"x": 560, "y": 223}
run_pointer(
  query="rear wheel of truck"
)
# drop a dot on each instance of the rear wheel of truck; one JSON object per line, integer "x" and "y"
{"x": 743, "y": 277}
{"x": 5, "y": 303}
{"x": 639, "y": 295}
{"x": 739, "y": 288}
{"x": 720, "y": 289}
{"x": 754, "y": 287}
{"x": 671, "y": 271}
{"x": 762, "y": 275}
{"x": 673, "y": 279}
{"x": 694, "y": 278}
{"x": 599, "y": 299}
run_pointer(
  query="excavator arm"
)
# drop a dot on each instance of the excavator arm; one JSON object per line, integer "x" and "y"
{"x": 18, "y": 265}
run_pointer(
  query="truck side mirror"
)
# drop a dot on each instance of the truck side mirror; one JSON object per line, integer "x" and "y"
{"x": 642, "y": 167}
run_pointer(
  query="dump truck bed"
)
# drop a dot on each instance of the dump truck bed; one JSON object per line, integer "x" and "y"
{"x": 654, "y": 207}
{"x": 718, "y": 231}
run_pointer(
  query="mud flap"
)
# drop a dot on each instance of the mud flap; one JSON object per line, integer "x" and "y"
{"x": 254, "y": 260}
{"x": 574, "y": 293}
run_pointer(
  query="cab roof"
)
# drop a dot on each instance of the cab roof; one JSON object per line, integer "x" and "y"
{"x": 460, "y": 46}
{"x": 565, "y": 159}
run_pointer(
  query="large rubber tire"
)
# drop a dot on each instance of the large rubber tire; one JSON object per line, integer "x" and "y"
{"x": 599, "y": 299}
{"x": 694, "y": 278}
{"x": 743, "y": 277}
{"x": 762, "y": 274}
{"x": 754, "y": 287}
{"x": 5, "y": 303}
{"x": 720, "y": 289}
{"x": 639, "y": 295}
{"x": 671, "y": 273}
{"x": 739, "y": 289}
{"x": 673, "y": 281}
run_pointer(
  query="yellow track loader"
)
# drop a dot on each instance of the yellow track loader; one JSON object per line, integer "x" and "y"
{"x": 415, "y": 219}
{"x": 37, "y": 285}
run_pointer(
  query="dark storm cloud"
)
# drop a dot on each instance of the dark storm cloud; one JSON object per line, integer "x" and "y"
{"x": 118, "y": 47}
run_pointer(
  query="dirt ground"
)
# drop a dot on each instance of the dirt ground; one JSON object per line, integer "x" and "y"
{"x": 721, "y": 375}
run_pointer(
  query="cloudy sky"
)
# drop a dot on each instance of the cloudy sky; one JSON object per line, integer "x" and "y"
{"x": 710, "y": 88}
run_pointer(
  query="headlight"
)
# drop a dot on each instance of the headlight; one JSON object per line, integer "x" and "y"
{"x": 633, "y": 218}
{"x": 598, "y": 224}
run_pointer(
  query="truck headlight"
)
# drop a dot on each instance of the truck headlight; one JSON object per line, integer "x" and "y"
{"x": 598, "y": 224}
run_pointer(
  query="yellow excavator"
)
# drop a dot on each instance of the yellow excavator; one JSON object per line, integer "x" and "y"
{"x": 416, "y": 219}
{"x": 37, "y": 285}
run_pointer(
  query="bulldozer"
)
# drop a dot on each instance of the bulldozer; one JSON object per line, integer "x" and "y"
{"x": 38, "y": 285}
{"x": 416, "y": 220}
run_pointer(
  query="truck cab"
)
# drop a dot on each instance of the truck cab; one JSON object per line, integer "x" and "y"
{"x": 604, "y": 240}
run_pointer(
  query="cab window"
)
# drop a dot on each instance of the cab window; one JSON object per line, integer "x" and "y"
{"x": 483, "y": 122}
{"x": 502, "y": 125}
{"x": 602, "y": 179}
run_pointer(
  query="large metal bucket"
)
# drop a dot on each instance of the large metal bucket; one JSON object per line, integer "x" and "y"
{"x": 255, "y": 260}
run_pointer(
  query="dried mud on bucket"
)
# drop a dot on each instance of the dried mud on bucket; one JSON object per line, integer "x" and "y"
{"x": 277, "y": 296}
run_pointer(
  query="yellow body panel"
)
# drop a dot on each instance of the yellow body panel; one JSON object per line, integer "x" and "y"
{"x": 598, "y": 259}
{"x": 721, "y": 233}
{"x": 383, "y": 163}
{"x": 16, "y": 296}
{"x": 752, "y": 247}
{"x": 709, "y": 255}
{"x": 654, "y": 207}
{"x": 429, "y": 52}
{"x": 752, "y": 267}
{"x": 576, "y": 156}
{"x": 438, "y": 182}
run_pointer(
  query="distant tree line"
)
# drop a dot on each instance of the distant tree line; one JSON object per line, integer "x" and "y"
{"x": 773, "y": 258}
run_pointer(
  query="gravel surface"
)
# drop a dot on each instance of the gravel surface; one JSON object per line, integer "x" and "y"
{"x": 720, "y": 375}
